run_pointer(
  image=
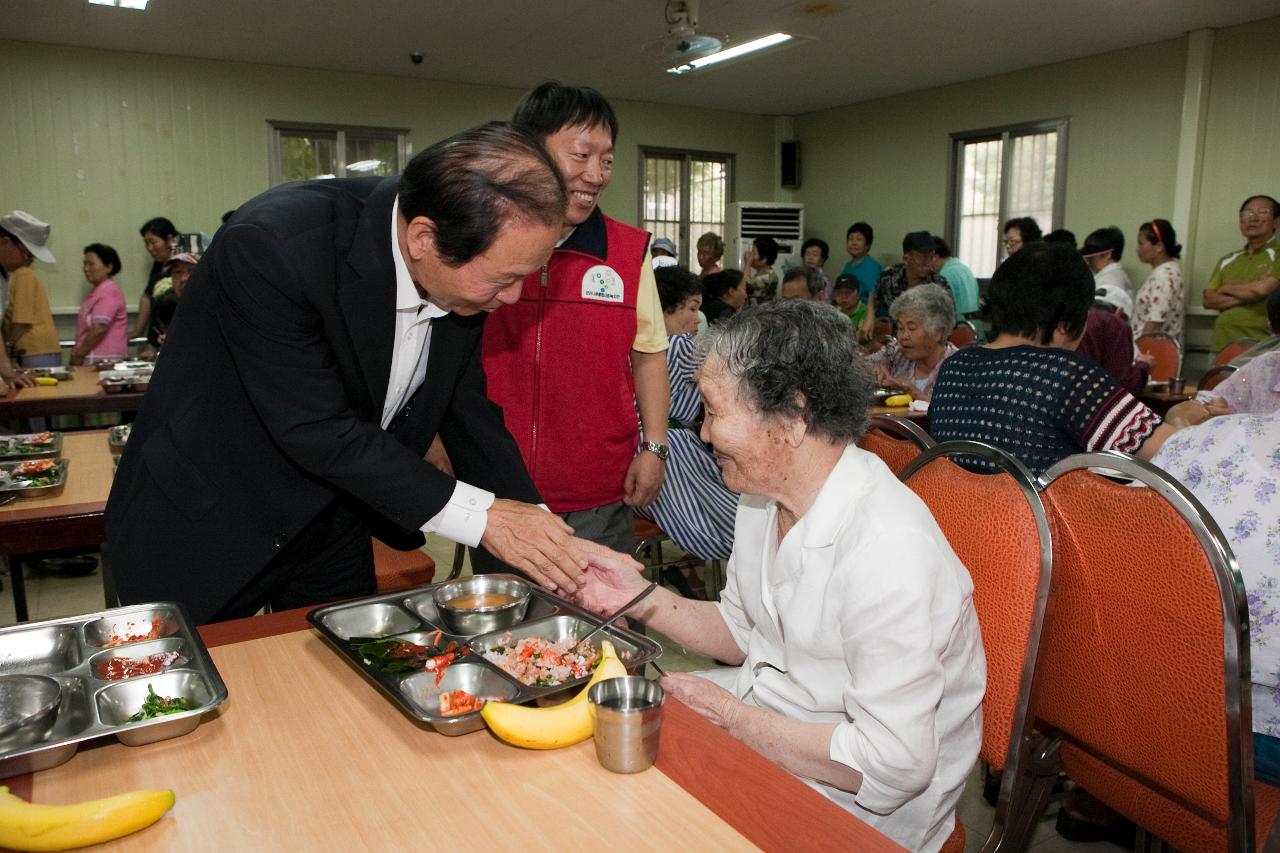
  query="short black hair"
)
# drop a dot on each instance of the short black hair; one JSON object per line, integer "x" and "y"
{"x": 1027, "y": 227}
{"x": 719, "y": 283}
{"x": 475, "y": 182}
{"x": 160, "y": 227}
{"x": 107, "y": 255}
{"x": 1275, "y": 205}
{"x": 864, "y": 229}
{"x": 1039, "y": 288}
{"x": 941, "y": 247}
{"x": 1161, "y": 231}
{"x": 551, "y": 106}
{"x": 1061, "y": 235}
{"x": 821, "y": 244}
{"x": 766, "y": 248}
{"x": 1109, "y": 239}
{"x": 675, "y": 285}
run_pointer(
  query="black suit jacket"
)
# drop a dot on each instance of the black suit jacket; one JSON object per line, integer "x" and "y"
{"x": 266, "y": 402}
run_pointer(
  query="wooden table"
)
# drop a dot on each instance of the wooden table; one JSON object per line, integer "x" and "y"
{"x": 305, "y": 754}
{"x": 1161, "y": 402}
{"x": 76, "y": 396}
{"x": 73, "y": 519}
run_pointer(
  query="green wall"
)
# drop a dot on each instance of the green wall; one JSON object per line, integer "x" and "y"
{"x": 96, "y": 142}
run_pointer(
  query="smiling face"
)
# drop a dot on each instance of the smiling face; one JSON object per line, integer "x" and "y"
{"x": 488, "y": 280}
{"x": 584, "y": 156}
{"x": 746, "y": 446}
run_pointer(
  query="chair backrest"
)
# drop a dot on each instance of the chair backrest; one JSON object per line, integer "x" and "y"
{"x": 1237, "y": 347}
{"x": 964, "y": 333}
{"x": 883, "y": 326}
{"x": 1144, "y": 660}
{"x": 1214, "y": 375}
{"x": 878, "y": 343}
{"x": 1007, "y": 548}
{"x": 895, "y": 440}
{"x": 1166, "y": 352}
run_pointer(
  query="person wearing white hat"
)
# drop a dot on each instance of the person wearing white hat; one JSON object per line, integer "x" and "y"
{"x": 28, "y": 322}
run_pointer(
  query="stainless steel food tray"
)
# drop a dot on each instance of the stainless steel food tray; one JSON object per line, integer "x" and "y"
{"x": 118, "y": 437}
{"x": 68, "y": 650}
{"x": 15, "y": 446}
{"x": 62, "y": 374}
{"x": 410, "y": 614}
{"x": 12, "y": 487}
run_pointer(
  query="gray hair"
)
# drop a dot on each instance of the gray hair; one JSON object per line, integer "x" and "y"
{"x": 812, "y": 279}
{"x": 795, "y": 359}
{"x": 931, "y": 304}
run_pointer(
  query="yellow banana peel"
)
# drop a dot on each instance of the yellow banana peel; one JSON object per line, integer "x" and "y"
{"x": 46, "y": 380}
{"x": 32, "y": 826}
{"x": 898, "y": 400}
{"x": 552, "y": 728}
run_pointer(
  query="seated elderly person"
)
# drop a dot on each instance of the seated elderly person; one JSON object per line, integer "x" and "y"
{"x": 859, "y": 662}
{"x": 925, "y": 316}
{"x": 802, "y": 283}
{"x": 1027, "y": 391}
{"x": 724, "y": 294}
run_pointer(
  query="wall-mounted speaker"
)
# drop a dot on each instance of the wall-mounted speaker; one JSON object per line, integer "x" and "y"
{"x": 789, "y": 156}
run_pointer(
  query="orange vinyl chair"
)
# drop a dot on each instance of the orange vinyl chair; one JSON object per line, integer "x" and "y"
{"x": 1166, "y": 352}
{"x": 1007, "y": 548}
{"x": 964, "y": 333}
{"x": 401, "y": 569}
{"x": 1142, "y": 686}
{"x": 1214, "y": 376}
{"x": 895, "y": 440}
{"x": 1228, "y": 354}
{"x": 883, "y": 326}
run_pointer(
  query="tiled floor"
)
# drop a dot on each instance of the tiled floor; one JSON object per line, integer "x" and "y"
{"x": 50, "y": 596}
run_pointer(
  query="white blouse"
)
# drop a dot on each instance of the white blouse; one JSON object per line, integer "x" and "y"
{"x": 863, "y": 616}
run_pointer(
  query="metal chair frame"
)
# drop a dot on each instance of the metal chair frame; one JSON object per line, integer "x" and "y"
{"x": 1022, "y": 735}
{"x": 900, "y": 427}
{"x": 1236, "y": 671}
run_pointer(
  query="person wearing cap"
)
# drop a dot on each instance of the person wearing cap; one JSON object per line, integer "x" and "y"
{"x": 844, "y": 295}
{"x": 1160, "y": 304}
{"x": 664, "y": 247}
{"x": 167, "y": 292}
{"x": 1102, "y": 250}
{"x": 1108, "y": 340}
{"x": 916, "y": 268}
{"x": 28, "y": 322}
{"x": 1242, "y": 280}
{"x": 102, "y": 324}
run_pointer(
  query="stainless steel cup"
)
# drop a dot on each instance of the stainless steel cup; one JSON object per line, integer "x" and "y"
{"x": 1177, "y": 385}
{"x": 626, "y": 714}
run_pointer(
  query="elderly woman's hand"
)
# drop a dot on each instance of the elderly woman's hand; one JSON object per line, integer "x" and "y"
{"x": 885, "y": 379}
{"x": 707, "y": 698}
{"x": 610, "y": 581}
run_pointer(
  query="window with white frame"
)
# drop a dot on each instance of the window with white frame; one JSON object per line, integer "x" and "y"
{"x": 683, "y": 195}
{"x": 305, "y": 152}
{"x": 997, "y": 175}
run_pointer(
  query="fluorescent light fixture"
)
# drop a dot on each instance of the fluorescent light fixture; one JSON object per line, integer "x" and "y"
{"x": 763, "y": 43}
{"x": 140, "y": 5}
{"x": 364, "y": 165}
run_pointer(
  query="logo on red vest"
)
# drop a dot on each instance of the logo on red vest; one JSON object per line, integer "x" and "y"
{"x": 603, "y": 283}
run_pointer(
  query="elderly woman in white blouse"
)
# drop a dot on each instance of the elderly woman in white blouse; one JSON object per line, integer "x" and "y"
{"x": 859, "y": 663}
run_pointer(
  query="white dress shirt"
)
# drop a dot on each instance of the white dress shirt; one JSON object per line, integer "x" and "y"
{"x": 465, "y": 516}
{"x": 863, "y": 616}
{"x": 1113, "y": 274}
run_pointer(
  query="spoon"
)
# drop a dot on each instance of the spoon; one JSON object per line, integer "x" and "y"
{"x": 608, "y": 620}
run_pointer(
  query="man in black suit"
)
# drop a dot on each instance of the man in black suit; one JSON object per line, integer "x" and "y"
{"x": 329, "y": 333}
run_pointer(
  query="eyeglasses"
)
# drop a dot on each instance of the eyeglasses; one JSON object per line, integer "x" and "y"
{"x": 1250, "y": 215}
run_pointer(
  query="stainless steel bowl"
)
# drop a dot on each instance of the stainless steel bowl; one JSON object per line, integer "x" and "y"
{"x": 28, "y": 708}
{"x": 482, "y": 620}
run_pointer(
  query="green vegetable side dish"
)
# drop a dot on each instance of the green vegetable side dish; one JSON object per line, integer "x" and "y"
{"x": 158, "y": 706}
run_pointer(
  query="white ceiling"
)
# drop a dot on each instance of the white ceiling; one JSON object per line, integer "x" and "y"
{"x": 864, "y": 48}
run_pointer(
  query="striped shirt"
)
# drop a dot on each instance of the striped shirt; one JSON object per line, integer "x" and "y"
{"x": 1039, "y": 404}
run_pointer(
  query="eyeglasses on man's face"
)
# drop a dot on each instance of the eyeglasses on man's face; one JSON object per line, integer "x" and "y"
{"x": 1249, "y": 215}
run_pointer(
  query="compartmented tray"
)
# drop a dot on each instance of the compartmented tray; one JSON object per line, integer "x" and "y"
{"x": 411, "y": 615}
{"x": 74, "y": 650}
{"x": 115, "y": 383}
{"x": 30, "y": 445}
{"x": 62, "y": 374}
{"x": 14, "y": 482}
{"x": 118, "y": 437}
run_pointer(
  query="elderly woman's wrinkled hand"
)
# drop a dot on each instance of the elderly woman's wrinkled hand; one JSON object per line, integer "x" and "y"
{"x": 610, "y": 581}
{"x": 707, "y": 698}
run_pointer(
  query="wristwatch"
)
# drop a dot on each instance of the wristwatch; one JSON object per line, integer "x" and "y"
{"x": 653, "y": 447}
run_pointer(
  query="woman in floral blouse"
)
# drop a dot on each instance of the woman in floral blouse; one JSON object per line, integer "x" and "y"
{"x": 1160, "y": 305}
{"x": 1232, "y": 465}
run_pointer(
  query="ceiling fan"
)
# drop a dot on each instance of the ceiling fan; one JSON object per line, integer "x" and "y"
{"x": 685, "y": 41}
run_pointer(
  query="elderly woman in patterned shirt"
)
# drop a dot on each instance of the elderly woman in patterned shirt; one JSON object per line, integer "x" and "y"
{"x": 925, "y": 316}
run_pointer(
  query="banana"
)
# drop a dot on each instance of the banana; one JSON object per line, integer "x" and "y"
{"x": 552, "y": 728}
{"x": 28, "y": 826}
{"x": 46, "y": 380}
{"x": 898, "y": 400}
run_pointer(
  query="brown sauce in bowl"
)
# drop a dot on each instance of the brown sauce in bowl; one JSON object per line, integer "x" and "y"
{"x": 473, "y": 601}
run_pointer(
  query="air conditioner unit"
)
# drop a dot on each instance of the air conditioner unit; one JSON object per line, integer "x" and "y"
{"x": 782, "y": 221}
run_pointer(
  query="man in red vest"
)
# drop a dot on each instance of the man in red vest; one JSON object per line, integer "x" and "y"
{"x": 583, "y": 351}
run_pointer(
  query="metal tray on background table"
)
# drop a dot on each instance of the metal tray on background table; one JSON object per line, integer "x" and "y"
{"x": 411, "y": 615}
{"x": 30, "y": 445}
{"x": 118, "y": 437}
{"x": 14, "y": 482}
{"x": 62, "y": 374}
{"x": 71, "y": 650}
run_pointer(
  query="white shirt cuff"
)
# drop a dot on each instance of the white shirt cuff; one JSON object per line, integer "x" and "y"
{"x": 464, "y": 517}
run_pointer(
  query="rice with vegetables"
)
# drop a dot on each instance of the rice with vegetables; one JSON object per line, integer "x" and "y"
{"x": 541, "y": 663}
